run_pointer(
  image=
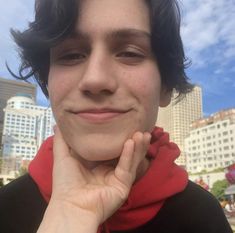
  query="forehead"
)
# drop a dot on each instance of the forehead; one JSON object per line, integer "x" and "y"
{"x": 98, "y": 16}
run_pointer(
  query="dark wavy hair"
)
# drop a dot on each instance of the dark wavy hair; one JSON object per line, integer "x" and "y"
{"x": 56, "y": 19}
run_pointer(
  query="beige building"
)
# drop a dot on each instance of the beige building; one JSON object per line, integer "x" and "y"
{"x": 177, "y": 117}
{"x": 9, "y": 88}
{"x": 211, "y": 142}
{"x": 26, "y": 125}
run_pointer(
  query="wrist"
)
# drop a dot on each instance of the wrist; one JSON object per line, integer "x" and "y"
{"x": 67, "y": 218}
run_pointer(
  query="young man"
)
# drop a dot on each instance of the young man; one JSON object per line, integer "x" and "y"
{"x": 107, "y": 66}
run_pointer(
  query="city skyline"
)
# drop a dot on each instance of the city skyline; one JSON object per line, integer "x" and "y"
{"x": 208, "y": 37}
{"x": 177, "y": 117}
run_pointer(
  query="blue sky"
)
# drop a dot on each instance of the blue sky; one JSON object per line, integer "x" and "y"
{"x": 208, "y": 33}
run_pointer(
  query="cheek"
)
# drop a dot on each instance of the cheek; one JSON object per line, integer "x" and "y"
{"x": 149, "y": 97}
{"x": 147, "y": 92}
{"x": 146, "y": 83}
{"x": 150, "y": 102}
{"x": 59, "y": 85}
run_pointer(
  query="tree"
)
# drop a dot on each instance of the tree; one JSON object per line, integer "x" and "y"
{"x": 219, "y": 188}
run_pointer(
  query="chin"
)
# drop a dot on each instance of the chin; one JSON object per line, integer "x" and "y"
{"x": 100, "y": 152}
{"x": 98, "y": 145}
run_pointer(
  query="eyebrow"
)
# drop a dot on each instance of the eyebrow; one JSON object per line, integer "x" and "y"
{"x": 125, "y": 33}
{"x": 114, "y": 34}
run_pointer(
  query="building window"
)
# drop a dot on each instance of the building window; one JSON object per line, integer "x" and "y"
{"x": 225, "y": 133}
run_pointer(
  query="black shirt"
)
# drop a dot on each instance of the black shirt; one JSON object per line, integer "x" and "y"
{"x": 192, "y": 211}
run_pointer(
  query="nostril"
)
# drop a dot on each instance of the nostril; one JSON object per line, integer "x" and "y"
{"x": 107, "y": 92}
{"x": 87, "y": 93}
{"x": 104, "y": 92}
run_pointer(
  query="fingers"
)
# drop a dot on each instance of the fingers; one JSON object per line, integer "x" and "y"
{"x": 142, "y": 142}
{"x": 60, "y": 148}
{"x": 134, "y": 152}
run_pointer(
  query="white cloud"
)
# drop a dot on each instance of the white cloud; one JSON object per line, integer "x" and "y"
{"x": 208, "y": 31}
{"x": 219, "y": 71}
{"x": 221, "y": 86}
{"x": 14, "y": 14}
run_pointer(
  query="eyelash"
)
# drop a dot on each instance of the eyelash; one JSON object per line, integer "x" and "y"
{"x": 130, "y": 54}
{"x": 127, "y": 55}
{"x": 72, "y": 56}
{"x": 70, "y": 59}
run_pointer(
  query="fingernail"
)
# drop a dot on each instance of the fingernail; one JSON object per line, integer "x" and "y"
{"x": 148, "y": 136}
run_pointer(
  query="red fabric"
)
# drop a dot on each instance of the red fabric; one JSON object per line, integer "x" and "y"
{"x": 162, "y": 180}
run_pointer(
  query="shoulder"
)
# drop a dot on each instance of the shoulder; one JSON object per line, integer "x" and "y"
{"x": 193, "y": 210}
{"x": 21, "y": 204}
{"x": 195, "y": 195}
{"x": 22, "y": 189}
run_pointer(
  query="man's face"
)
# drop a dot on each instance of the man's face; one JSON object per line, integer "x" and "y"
{"x": 104, "y": 83}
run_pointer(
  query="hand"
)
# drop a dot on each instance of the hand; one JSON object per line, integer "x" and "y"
{"x": 101, "y": 191}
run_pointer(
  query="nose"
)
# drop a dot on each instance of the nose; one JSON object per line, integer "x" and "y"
{"x": 98, "y": 77}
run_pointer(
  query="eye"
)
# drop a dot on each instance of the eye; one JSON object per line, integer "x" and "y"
{"x": 131, "y": 56}
{"x": 71, "y": 58}
{"x": 68, "y": 58}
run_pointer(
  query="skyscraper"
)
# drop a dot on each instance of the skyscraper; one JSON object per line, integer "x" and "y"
{"x": 9, "y": 88}
{"x": 177, "y": 117}
{"x": 25, "y": 127}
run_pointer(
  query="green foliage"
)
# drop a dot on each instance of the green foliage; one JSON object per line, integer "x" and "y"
{"x": 219, "y": 188}
{"x": 220, "y": 169}
{"x": 204, "y": 172}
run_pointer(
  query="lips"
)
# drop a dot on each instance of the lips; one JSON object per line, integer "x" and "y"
{"x": 100, "y": 115}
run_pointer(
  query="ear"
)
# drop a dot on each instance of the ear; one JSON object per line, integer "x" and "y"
{"x": 165, "y": 96}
